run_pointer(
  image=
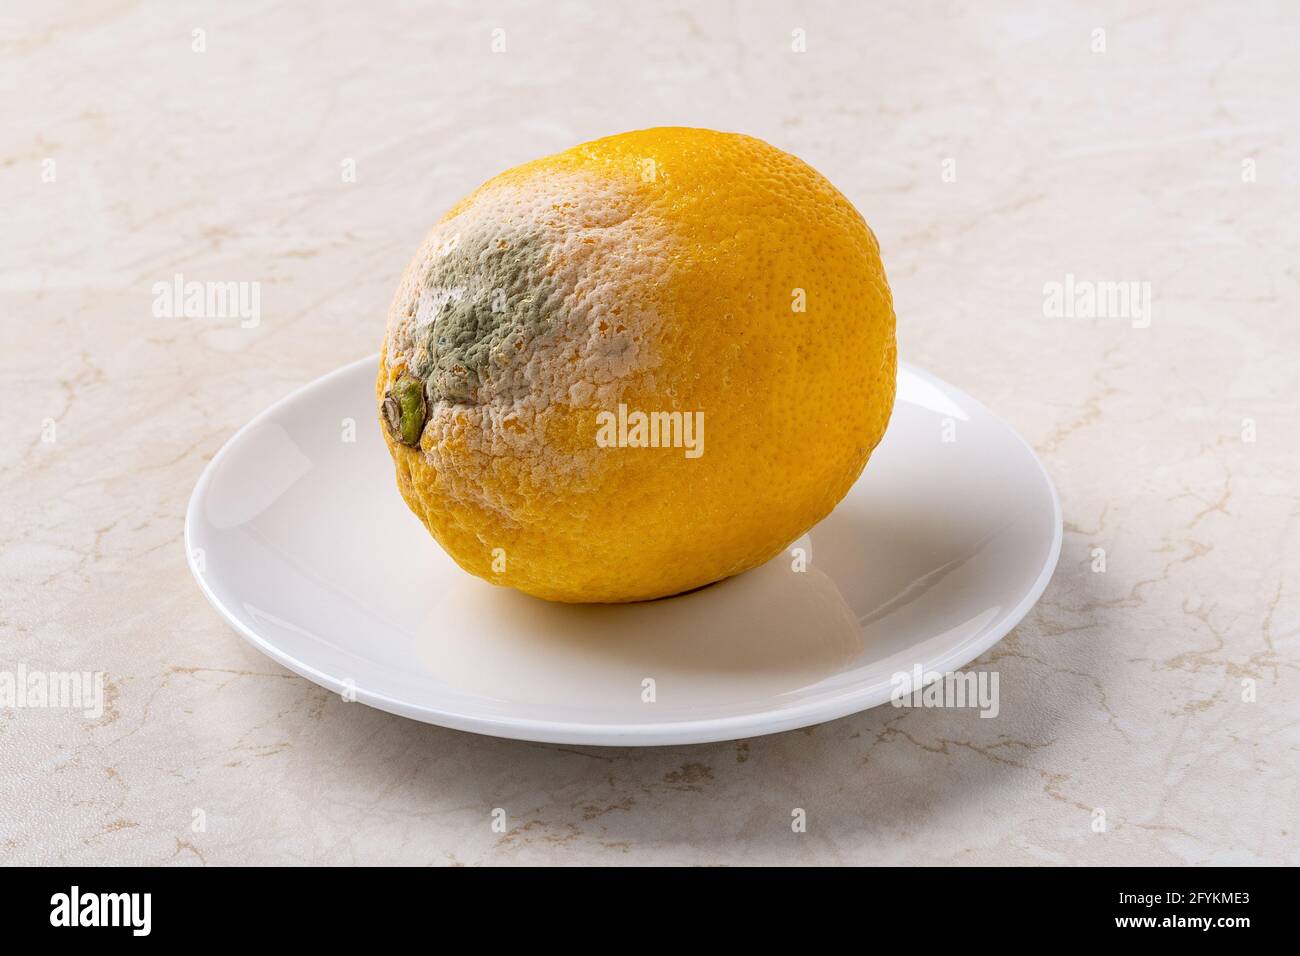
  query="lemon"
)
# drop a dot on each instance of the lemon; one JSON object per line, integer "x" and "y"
{"x": 638, "y": 366}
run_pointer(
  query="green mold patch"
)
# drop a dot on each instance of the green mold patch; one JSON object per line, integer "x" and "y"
{"x": 487, "y": 298}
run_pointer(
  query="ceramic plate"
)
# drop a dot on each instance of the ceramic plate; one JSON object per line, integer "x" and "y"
{"x": 299, "y": 538}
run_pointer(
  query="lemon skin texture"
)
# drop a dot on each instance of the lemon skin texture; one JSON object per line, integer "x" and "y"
{"x": 665, "y": 270}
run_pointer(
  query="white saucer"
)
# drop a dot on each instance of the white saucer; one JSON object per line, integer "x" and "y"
{"x": 298, "y": 536}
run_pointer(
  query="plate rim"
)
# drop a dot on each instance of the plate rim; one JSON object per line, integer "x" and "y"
{"x": 661, "y": 733}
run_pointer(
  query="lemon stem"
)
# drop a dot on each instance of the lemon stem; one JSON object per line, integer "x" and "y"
{"x": 405, "y": 411}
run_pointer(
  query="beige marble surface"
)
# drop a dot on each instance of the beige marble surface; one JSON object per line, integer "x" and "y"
{"x": 1122, "y": 691}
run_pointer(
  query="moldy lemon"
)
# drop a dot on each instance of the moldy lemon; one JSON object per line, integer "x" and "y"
{"x": 637, "y": 367}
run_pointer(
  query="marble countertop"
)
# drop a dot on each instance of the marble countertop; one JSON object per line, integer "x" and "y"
{"x": 1149, "y": 710}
